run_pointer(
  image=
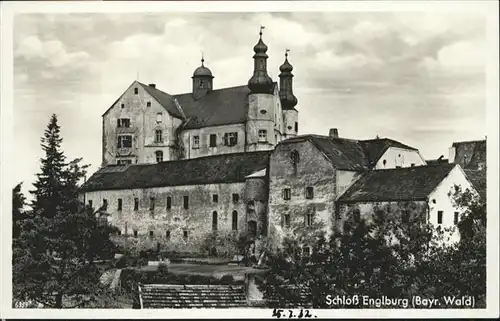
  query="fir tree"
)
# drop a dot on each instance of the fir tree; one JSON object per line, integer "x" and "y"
{"x": 18, "y": 213}
{"x": 54, "y": 257}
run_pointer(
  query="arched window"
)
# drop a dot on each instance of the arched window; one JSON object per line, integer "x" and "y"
{"x": 159, "y": 156}
{"x": 214, "y": 221}
{"x": 235, "y": 221}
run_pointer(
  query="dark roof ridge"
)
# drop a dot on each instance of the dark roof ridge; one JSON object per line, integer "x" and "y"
{"x": 219, "y": 89}
{"x": 196, "y": 158}
{"x": 414, "y": 167}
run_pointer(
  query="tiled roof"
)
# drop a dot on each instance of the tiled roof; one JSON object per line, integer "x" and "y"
{"x": 375, "y": 148}
{"x": 399, "y": 184}
{"x": 350, "y": 154}
{"x": 437, "y": 161}
{"x": 163, "y": 99}
{"x": 218, "y": 107}
{"x": 478, "y": 180}
{"x": 470, "y": 154}
{"x": 161, "y": 296}
{"x": 225, "y": 168}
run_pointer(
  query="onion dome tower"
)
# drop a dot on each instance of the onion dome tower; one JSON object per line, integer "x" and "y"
{"x": 260, "y": 83}
{"x": 288, "y": 100}
{"x": 202, "y": 80}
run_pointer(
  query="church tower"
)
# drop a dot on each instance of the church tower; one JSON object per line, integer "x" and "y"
{"x": 260, "y": 116}
{"x": 202, "y": 81}
{"x": 288, "y": 100}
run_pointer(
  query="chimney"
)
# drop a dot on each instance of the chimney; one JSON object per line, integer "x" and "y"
{"x": 334, "y": 132}
{"x": 152, "y": 85}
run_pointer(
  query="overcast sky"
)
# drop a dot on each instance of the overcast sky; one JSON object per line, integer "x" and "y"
{"x": 414, "y": 77}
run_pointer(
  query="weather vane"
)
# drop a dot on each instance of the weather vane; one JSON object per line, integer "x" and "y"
{"x": 202, "y": 58}
{"x": 286, "y": 52}
{"x": 261, "y": 28}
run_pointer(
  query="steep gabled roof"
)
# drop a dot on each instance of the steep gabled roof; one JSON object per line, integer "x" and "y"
{"x": 169, "y": 296}
{"x": 375, "y": 148}
{"x": 478, "y": 180}
{"x": 350, "y": 154}
{"x": 399, "y": 184}
{"x": 163, "y": 99}
{"x": 225, "y": 168}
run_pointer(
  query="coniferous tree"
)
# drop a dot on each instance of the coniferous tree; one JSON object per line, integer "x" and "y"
{"x": 18, "y": 213}
{"x": 54, "y": 257}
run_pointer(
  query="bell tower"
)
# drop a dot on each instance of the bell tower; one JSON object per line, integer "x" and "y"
{"x": 202, "y": 80}
{"x": 261, "y": 111}
{"x": 288, "y": 99}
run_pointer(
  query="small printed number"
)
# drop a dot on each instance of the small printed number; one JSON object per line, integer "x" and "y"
{"x": 21, "y": 305}
{"x": 278, "y": 313}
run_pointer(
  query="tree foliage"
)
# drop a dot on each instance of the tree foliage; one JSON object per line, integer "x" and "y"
{"x": 60, "y": 238}
{"x": 382, "y": 256}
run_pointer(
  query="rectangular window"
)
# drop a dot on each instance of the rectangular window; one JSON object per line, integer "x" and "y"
{"x": 306, "y": 250}
{"x": 287, "y": 193}
{"x": 136, "y": 204}
{"x": 119, "y": 204}
{"x": 136, "y": 91}
{"x": 135, "y": 233}
{"x": 309, "y": 192}
{"x": 196, "y": 141}
{"x": 213, "y": 140}
{"x": 455, "y": 218}
{"x": 440, "y": 217}
{"x": 214, "y": 221}
{"x": 285, "y": 220}
{"x": 151, "y": 203}
{"x": 186, "y": 202}
{"x": 151, "y": 234}
{"x": 90, "y": 203}
{"x": 105, "y": 203}
{"x": 185, "y": 235}
{"x": 236, "y": 198}
{"x": 148, "y": 104}
{"x": 123, "y": 122}
{"x": 262, "y": 135}
{"x": 296, "y": 126}
{"x": 231, "y": 139}
{"x": 122, "y": 105}
{"x": 159, "y": 117}
{"x": 215, "y": 198}
{"x": 169, "y": 202}
{"x": 124, "y": 141}
{"x": 309, "y": 219}
{"x": 168, "y": 235}
{"x": 124, "y": 162}
{"x": 158, "y": 136}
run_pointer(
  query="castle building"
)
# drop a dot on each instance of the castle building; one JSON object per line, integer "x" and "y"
{"x": 176, "y": 168}
{"x": 146, "y": 125}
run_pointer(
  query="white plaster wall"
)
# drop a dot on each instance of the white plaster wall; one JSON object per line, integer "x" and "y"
{"x": 439, "y": 200}
{"x": 204, "y": 148}
{"x": 345, "y": 179}
{"x": 143, "y": 122}
{"x": 399, "y": 157}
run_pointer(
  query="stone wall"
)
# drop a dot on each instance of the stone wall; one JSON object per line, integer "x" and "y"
{"x": 196, "y": 220}
{"x": 146, "y": 115}
{"x": 312, "y": 170}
